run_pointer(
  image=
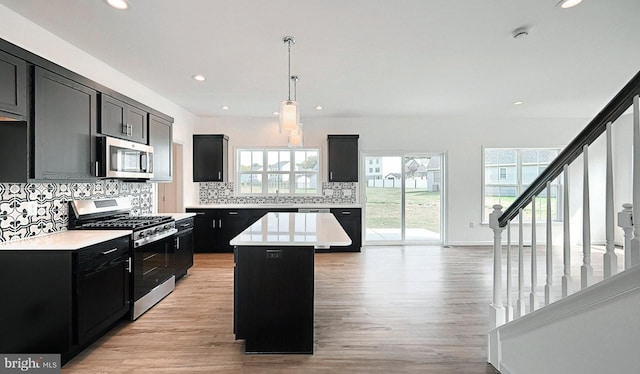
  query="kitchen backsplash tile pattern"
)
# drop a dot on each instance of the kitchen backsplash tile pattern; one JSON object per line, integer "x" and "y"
{"x": 332, "y": 193}
{"x": 52, "y": 208}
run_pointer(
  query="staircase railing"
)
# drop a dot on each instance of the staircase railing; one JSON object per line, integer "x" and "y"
{"x": 499, "y": 220}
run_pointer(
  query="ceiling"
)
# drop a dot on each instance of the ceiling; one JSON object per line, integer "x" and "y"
{"x": 362, "y": 58}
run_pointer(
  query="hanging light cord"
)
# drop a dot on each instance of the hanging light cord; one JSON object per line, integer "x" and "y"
{"x": 289, "y": 40}
{"x": 295, "y": 79}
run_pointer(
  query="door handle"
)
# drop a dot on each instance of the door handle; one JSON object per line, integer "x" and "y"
{"x": 214, "y": 223}
{"x": 233, "y": 213}
{"x": 97, "y": 169}
{"x": 219, "y": 175}
{"x": 110, "y": 251}
{"x": 220, "y": 223}
{"x": 125, "y": 128}
{"x": 330, "y": 175}
{"x": 346, "y": 213}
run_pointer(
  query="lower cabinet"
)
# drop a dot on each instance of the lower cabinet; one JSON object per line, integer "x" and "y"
{"x": 351, "y": 221}
{"x": 65, "y": 299}
{"x": 214, "y": 228}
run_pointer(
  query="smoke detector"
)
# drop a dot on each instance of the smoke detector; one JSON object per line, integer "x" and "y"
{"x": 520, "y": 32}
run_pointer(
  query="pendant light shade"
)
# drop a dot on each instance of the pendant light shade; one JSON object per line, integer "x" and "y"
{"x": 289, "y": 116}
{"x": 296, "y": 138}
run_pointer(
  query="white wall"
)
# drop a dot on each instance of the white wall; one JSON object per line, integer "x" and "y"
{"x": 461, "y": 139}
{"x": 26, "y": 34}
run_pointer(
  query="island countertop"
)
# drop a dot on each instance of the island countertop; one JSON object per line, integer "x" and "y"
{"x": 294, "y": 229}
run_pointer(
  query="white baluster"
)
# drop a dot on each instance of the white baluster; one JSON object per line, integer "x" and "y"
{"x": 625, "y": 222}
{"x": 520, "y": 307}
{"x": 586, "y": 271}
{"x": 533, "y": 300}
{"x": 509, "y": 306}
{"x": 634, "y": 254}
{"x": 496, "y": 309}
{"x": 549, "y": 254}
{"x": 566, "y": 246}
{"x": 610, "y": 258}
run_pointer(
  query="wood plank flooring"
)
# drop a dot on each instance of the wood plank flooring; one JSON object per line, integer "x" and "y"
{"x": 418, "y": 309}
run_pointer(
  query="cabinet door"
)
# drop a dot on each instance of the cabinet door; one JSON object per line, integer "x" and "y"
{"x": 136, "y": 119}
{"x": 210, "y": 158}
{"x": 121, "y": 120}
{"x": 205, "y": 233}
{"x": 343, "y": 158}
{"x": 113, "y": 117}
{"x": 231, "y": 223}
{"x": 13, "y": 84}
{"x": 161, "y": 138}
{"x": 183, "y": 253}
{"x": 64, "y": 125}
{"x": 351, "y": 222}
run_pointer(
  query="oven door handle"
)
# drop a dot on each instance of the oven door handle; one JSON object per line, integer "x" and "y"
{"x": 152, "y": 239}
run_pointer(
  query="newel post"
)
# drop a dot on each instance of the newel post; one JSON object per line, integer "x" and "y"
{"x": 496, "y": 309}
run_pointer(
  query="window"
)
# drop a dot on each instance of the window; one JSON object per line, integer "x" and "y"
{"x": 283, "y": 171}
{"x": 508, "y": 172}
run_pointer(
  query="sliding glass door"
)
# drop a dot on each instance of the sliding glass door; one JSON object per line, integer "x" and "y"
{"x": 403, "y": 198}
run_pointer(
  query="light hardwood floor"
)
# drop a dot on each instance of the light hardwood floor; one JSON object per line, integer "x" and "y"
{"x": 419, "y": 309}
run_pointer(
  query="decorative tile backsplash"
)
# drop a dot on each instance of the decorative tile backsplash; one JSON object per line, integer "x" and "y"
{"x": 52, "y": 204}
{"x": 332, "y": 193}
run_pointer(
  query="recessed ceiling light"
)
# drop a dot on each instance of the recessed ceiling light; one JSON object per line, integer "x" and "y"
{"x": 198, "y": 77}
{"x": 119, "y": 4}
{"x": 569, "y": 3}
{"x": 518, "y": 102}
{"x": 225, "y": 107}
{"x": 276, "y": 113}
{"x": 520, "y": 32}
{"x": 319, "y": 107}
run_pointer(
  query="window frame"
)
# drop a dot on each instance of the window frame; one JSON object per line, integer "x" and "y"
{"x": 291, "y": 173}
{"x": 556, "y": 184}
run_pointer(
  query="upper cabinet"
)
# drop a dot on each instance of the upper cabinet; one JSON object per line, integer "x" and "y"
{"x": 121, "y": 120}
{"x": 343, "y": 158}
{"x": 64, "y": 119}
{"x": 161, "y": 139}
{"x": 13, "y": 85}
{"x": 210, "y": 158}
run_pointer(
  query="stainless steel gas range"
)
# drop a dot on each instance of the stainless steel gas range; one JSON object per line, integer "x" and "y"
{"x": 151, "y": 243}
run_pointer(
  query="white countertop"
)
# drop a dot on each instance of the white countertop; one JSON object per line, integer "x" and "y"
{"x": 176, "y": 216}
{"x": 64, "y": 240}
{"x": 273, "y": 206}
{"x": 294, "y": 229}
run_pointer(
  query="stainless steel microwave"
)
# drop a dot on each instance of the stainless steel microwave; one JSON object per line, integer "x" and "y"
{"x": 122, "y": 159}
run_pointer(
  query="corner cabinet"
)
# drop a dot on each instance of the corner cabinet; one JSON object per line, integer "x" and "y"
{"x": 13, "y": 85}
{"x": 121, "y": 120}
{"x": 64, "y": 124}
{"x": 210, "y": 158}
{"x": 161, "y": 139}
{"x": 351, "y": 221}
{"x": 343, "y": 158}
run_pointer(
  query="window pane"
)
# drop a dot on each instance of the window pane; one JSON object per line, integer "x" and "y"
{"x": 278, "y": 183}
{"x": 306, "y": 160}
{"x": 251, "y": 183}
{"x": 507, "y": 156}
{"x": 250, "y": 161}
{"x": 279, "y": 160}
{"x": 529, "y": 173}
{"x": 529, "y": 156}
{"x": 306, "y": 183}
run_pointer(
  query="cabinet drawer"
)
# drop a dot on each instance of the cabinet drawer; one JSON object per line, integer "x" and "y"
{"x": 103, "y": 252}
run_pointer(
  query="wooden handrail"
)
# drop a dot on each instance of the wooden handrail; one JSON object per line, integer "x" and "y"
{"x": 614, "y": 109}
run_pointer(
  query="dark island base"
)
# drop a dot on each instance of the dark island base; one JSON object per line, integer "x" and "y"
{"x": 273, "y": 298}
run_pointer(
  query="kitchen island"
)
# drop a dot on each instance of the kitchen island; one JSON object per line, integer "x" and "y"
{"x": 274, "y": 279}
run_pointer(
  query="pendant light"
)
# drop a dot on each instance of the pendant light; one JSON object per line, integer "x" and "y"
{"x": 289, "y": 111}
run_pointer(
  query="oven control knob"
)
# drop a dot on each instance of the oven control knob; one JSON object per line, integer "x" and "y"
{"x": 167, "y": 227}
{"x": 142, "y": 234}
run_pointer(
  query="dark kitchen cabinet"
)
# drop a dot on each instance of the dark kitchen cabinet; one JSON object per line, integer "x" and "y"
{"x": 161, "y": 139}
{"x": 55, "y": 306}
{"x": 210, "y": 158}
{"x": 13, "y": 85}
{"x": 343, "y": 158}
{"x": 214, "y": 228}
{"x": 14, "y": 146}
{"x": 183, "y": 254}
{"x": 122, "y": 120}
{"x": 64, "y": 124}
{"x": 351, "y": 221}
